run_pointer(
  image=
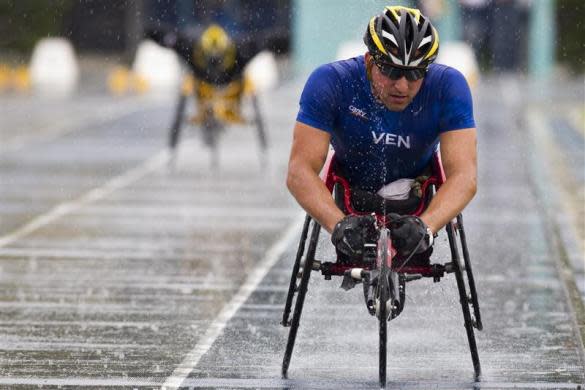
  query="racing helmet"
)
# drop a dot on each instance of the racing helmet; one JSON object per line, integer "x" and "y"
{"x": 400, "y": 39}
{"x": 215, "y": 49}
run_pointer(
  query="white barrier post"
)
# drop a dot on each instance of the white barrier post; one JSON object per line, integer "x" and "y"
{"x": 262, "y": 71}
{"x": 158, "y": 66}
{"x": 53, "y": 68}
{"x": 350, "y": 49}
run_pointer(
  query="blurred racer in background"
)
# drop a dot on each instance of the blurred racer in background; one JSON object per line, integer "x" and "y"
{"x": 215, "y": 60}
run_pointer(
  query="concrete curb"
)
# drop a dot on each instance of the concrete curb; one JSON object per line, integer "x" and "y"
{"x": 553, "y": 213}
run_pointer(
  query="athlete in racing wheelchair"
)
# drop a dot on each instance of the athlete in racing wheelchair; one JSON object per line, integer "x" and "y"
{"x": 216, "y": 80}
{"x": 392, "y": 117}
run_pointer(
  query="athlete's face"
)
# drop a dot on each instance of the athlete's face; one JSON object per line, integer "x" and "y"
{"x": 396, "y": 95}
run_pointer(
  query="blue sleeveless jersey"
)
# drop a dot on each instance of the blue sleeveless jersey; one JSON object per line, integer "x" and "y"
{"x": 373, "y": 145}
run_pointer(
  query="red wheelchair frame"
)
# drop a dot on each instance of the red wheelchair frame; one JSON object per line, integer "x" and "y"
{"x": 385, "y": 278}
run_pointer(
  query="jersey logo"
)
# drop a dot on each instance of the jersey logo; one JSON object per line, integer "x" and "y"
{"x": 357, "y": 112}
{"x": 391, "y": 139}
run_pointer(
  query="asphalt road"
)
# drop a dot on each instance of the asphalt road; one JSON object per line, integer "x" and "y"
{"x": 117, "y": 270}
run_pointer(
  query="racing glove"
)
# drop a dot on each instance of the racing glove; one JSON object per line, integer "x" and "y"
{"x": 409, "y": 234}
{"x": 352, "y": 233}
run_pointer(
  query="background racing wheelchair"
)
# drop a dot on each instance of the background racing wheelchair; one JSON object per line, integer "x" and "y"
{"x": 215, "y": 108}
{"x": 382, "y": 272}
{"x": 220, "y": 77}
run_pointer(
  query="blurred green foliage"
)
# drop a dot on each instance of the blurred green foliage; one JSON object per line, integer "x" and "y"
{"x": 570, "y": 44}
{"x": 23, "y": 22}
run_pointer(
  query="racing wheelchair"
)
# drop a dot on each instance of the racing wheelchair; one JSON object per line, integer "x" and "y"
{"x": 382, "y": 272}
{"x": 216, "y": 108}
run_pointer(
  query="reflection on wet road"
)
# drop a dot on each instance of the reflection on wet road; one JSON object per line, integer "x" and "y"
{"x": 116, "y": 271}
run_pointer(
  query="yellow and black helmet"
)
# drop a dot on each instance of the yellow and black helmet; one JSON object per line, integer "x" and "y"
{"x": 402, "y": 37}
{"x": 215, "y": 49}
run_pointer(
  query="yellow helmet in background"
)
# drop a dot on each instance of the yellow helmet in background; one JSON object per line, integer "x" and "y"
{"x": 215, "y": 49}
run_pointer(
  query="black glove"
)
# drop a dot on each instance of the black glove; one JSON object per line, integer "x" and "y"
{"x": 409, "y": 234}
{"x": 352, "y": 233}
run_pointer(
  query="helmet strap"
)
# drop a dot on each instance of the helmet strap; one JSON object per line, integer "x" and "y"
{"x": 369, "y": 65}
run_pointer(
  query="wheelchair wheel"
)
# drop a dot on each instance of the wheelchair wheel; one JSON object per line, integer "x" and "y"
{"x": 464, "y": 299}
{"x": 383, "y": 292}
{"x": 259, "y": 120}
{"x": 468, "y": 270}
{"x": 293, "y": 288}
{"x": 302, "y": 291}
{"x": 211, "y": 128}
{"x": 177, "y": 122}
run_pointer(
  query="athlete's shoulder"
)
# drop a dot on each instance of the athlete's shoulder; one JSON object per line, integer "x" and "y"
{"x": 339, "y": 70}
{"x": 446, "y": 81}
{"x": 334, "y": 78}
{"x": 352, "y": 67}
{"x": 328, "y": 88}
{"x": 452, "y": 90}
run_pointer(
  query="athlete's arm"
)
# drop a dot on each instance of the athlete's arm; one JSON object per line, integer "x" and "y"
{"x": 459, "y": 157}
{"x": 309, "y": 151}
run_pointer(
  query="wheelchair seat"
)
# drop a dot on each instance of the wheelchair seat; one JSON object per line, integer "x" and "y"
{"x": 360, "y": 202}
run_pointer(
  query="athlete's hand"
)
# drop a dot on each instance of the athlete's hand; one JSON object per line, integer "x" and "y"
{"x": 352, "y": 233}
{"x": 409, "y": 234}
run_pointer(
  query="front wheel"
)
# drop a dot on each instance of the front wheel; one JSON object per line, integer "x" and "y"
{"x": 262, "y": 139}
{"x": 306, "y": 270}
{"x": 383, "y": 292}
{"x": 177, "y": 122}
{"x": 211, "y": 129}
{"x": 259, "y": 120}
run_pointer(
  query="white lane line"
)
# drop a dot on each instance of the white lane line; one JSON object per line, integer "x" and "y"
{"x": 211, "y": 211}
{"x": 138, "y": 227}
{"x": 59, "y": 128}
{"x": 96, "y": 194}
{"x": 216, "y": 328}
{"x": 269, "y": 383}
{"x": 25, "y": 254}
{"x": 81, "y": 382}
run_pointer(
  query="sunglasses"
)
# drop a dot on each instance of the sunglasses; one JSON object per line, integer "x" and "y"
{"x": 395, "y": 73}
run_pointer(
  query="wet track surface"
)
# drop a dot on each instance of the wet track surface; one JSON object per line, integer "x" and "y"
{"x": 116, "y": 271}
